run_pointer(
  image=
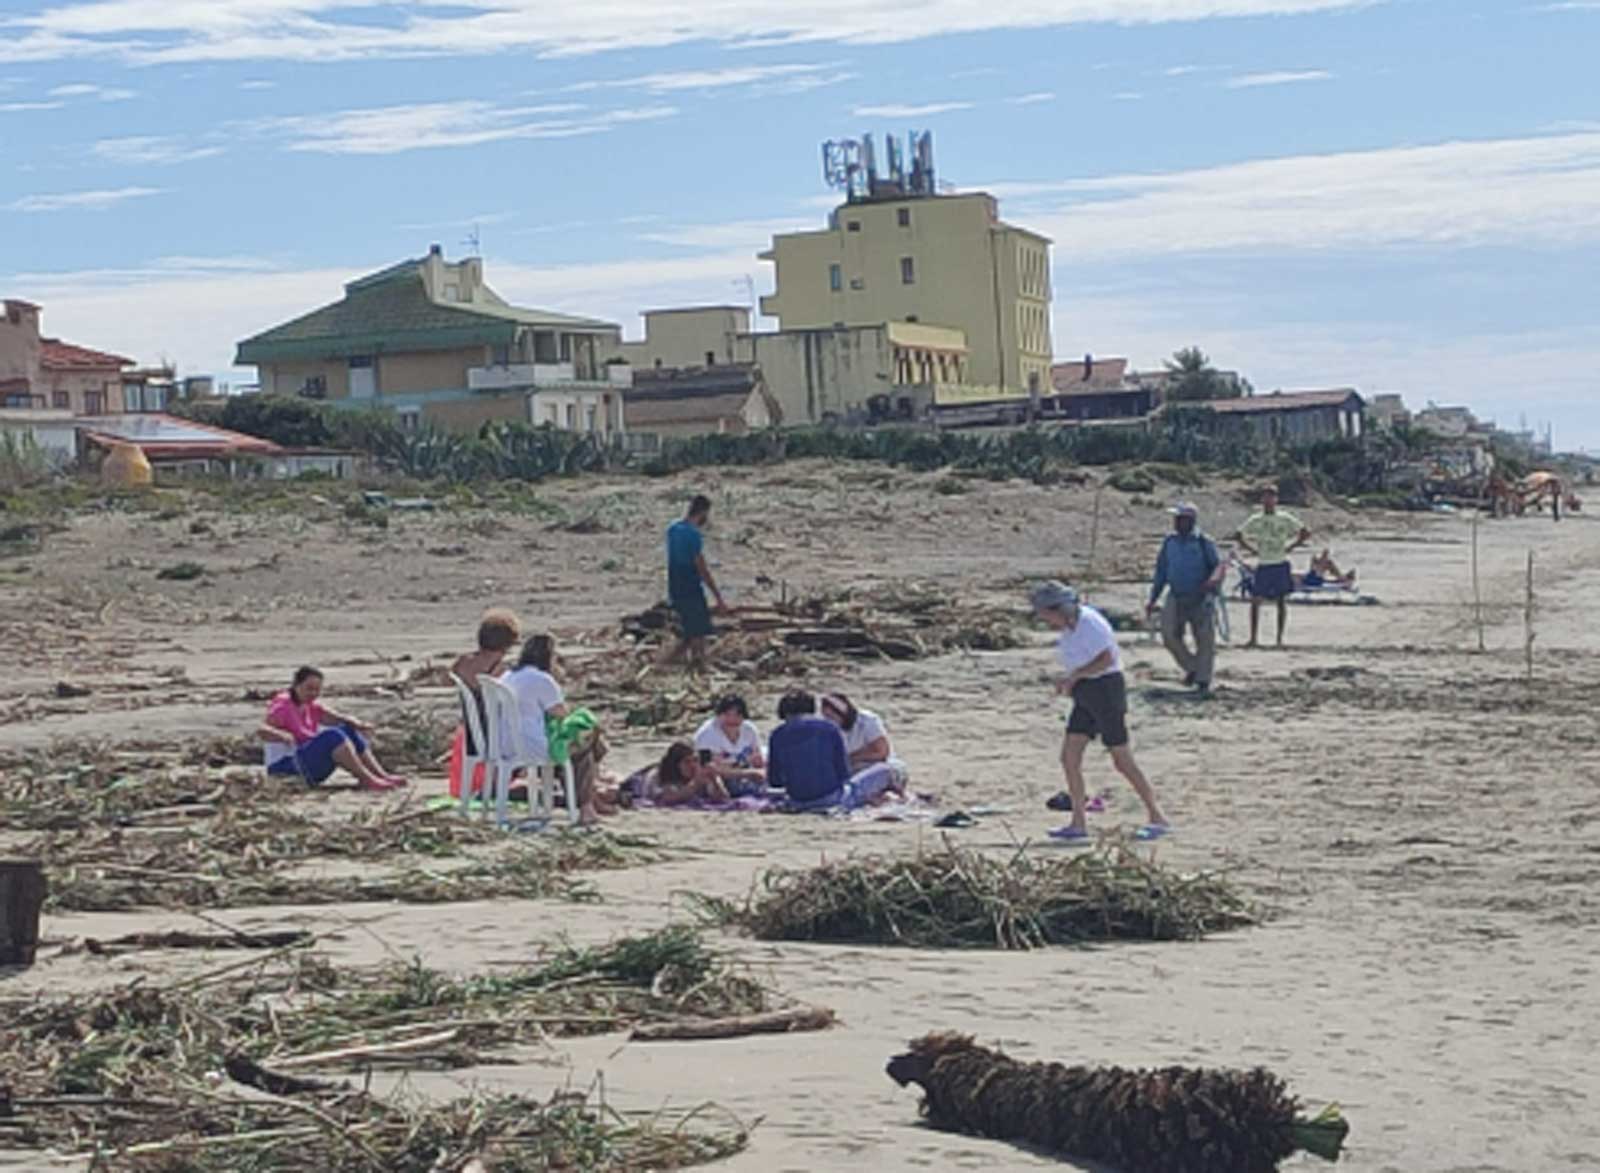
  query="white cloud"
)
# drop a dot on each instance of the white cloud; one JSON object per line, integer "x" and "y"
{"x": 927, "y": 110}
{"x": 1532, "y": 191}
{"x": 139, "y": 150}
{"x": 711, "y": 79}
{"x": 20, "y": 107}
{"x": 164, "y": 31}
{"x": 88, "y": 89}
{"x": 91, "y": 201}
{"x": 257, "y": 83}
{"x": 1032, "y": 99}
{"x": 388, "y": 130}
{"x": 1282, "y": 77}
{"x": 1127, "y": 96}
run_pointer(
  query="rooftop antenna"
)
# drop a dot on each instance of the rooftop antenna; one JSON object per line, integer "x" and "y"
{"x": 748, "y": 284}
{"x": 474, "y": 242}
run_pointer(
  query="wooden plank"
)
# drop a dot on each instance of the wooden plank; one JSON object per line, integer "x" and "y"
{"x": 22, "y": 889}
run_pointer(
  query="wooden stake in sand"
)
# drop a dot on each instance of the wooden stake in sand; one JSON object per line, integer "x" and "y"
{"x": 1528, "y": 634}
{"x": 1477, "y": 589}
{"x": 22, "y": 891}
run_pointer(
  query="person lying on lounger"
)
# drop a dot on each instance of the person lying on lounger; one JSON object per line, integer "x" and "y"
{"x": 306, "y": 739}
{"x": 1325, "y": 572}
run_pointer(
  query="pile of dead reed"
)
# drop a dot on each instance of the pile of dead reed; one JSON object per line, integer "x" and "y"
{"x": 958, "y": 898}
{"x": 226, "y": 1064}
{"x": 399, "y": 859}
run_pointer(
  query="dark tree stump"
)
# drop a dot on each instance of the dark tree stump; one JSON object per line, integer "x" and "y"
{"x": 21, "y": 897}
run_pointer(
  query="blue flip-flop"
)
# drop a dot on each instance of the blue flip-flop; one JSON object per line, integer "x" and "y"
{"x": 1069, "y": 834}
{"x": 1153, "y": 831}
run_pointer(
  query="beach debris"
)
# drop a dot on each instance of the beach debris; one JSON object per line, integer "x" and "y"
{"x": 156, "y": 1074}
{"x": 1167, "y": 1120}
{"x": 960, "y": 898}
{"x": 177, "y": 939}
{"x": 69, "y": 692}
{"x": 797, "y": 1018}
{"x": 181, "y": 572}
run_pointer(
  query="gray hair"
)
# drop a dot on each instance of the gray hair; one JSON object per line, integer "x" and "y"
{"x": 1053, "y": 596}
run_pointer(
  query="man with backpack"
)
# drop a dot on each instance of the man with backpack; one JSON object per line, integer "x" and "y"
{"x": 1190, "y": 572}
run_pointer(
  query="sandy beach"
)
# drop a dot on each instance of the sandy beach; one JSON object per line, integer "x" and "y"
{"x": 1422, "y": 823}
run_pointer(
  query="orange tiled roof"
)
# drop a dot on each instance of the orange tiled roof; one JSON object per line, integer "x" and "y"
{"x": 56, "y": 355}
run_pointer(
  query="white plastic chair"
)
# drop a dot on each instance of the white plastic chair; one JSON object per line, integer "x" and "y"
{"x": 509, "y": 752}
{"x": 472, "y": 716}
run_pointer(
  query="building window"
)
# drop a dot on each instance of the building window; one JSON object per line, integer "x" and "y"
{"x": 410, "y": 419}
{"x": 572, "y": 417}
{"x": 593, "y": 414}
{"x": 501, "y": 356}
{"x": 857, "y": 283}
{"x": 852, "y": 225}
{"x": 94, "y": 402}
{"x": 903, "y": 217}
{"x": 315, "y": 387}
{"x": 835, "y": 278}
{"x": 711, "y": 358}
{"x": 908, "y": 271}
{"x": 60, "y": 399}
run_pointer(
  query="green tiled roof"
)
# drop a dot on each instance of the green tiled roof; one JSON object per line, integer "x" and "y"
{"x": 390, "y": 311}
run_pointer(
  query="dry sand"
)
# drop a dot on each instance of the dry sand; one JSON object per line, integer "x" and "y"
{"x": 1426, "y": 826}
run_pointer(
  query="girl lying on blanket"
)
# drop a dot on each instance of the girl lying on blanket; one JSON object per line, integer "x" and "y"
{"x": 681, "y": 777}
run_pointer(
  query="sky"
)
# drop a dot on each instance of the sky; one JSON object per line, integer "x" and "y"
{"x": 1397, "y": 195}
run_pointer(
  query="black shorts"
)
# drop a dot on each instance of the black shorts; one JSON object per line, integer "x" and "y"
{"x": 1273, "y": 581}
{"x": 1100, "y": 709}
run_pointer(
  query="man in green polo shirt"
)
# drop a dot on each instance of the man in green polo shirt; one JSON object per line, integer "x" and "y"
{"x": 1270, "y": 536}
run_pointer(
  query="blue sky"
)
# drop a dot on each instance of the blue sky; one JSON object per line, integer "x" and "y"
{"x": 1402, "y": 195}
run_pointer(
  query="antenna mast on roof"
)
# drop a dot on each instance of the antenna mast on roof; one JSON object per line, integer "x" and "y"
{"x": 474, "y": 242}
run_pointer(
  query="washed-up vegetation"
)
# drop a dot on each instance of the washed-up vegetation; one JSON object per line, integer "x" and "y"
{"x": 1171, "y": 1120}
{"x": 228, "y": 1071}
{"x": 958, "y": 898}
{"x": 905, "y": 621}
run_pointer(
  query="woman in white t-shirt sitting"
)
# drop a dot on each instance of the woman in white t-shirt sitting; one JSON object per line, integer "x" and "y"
{"x": 539, "y": 697}
{"x": 866, "y": 740}
{"x": 733, "y": 744}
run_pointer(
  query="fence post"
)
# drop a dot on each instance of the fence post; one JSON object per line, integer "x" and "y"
{"x": 1527, "y": 620}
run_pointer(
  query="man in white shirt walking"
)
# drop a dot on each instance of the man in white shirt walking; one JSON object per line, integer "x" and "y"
{"x": 1087, "y": 646}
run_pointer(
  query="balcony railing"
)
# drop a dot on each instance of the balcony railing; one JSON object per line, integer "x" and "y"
{"x": 527, "y": 374}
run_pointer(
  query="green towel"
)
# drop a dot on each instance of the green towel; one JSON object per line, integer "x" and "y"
{"x": 561, "y": 732}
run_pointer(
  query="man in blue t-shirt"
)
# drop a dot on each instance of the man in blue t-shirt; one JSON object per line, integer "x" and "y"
{"x": 806, "y": 758}
{"x": 1190, "y": 572}
{"x": 687, "y": 577}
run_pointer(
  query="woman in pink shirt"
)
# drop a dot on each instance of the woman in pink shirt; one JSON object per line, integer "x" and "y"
{"x": 306, "y": 739}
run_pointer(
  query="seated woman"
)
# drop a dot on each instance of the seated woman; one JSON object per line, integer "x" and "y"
{"x": 807, "y": 758}
{"x": 679, "y": 778}
{"x": 540, "y": 702}
{"x": 734, "y": 743}
{"x": 1325, "y": 572}
{"x": 865, "y": 740}
{"x": 498, "y": 633}
{"x": 304, "y": 738}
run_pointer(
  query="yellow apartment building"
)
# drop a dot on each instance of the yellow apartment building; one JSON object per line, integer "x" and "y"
{"x": 932, "y": 259}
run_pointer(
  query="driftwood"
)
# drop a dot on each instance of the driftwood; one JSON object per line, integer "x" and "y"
{"x": 22, "y": 892}
{"x": 242, "y": 1069}
{"x": 775, "y": 1022}
{"x": 182, "y": 940}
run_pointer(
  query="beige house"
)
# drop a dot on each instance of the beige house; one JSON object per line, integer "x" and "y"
{"x": 726, "y": 399}
{"x": 938, "y": 260}
{"x": 47, "y": 373}
{"x": 428, "y": 340}
{"x": 851, "y": 371}
{"x": 687, "y": 336}
{"x": 830, "y": 372}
